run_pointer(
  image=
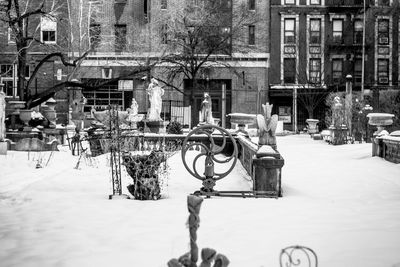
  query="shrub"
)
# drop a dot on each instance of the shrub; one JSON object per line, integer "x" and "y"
{"x": 174, "y": 127}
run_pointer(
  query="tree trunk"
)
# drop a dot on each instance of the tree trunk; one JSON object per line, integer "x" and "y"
{"x": 21, "y": 66}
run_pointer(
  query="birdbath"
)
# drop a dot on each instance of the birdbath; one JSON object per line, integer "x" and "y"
{"x": 380, "y": 120}
{"x": 242, "y": 120}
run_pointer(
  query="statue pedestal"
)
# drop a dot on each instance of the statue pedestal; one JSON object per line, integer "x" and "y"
{"x": 154, "y": 126}
{"x": 3, "y": 148}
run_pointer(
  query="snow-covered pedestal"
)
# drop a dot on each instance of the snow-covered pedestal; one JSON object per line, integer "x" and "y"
{"x": 312, "y": 127}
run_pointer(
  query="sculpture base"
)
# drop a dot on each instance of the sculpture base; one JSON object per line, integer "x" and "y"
{"x": 155, "y": 126}
{"x": 3, "y": 148}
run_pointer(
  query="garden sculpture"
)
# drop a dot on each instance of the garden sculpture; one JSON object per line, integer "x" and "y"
{"x": 208, "y": 255}
{"x": 78, "y": 114}
{"x": 206, "y": 111}
{"x": 2, "y": 115}
{"x": 155, "y": 93}
{"x": 267, "y": 126}
{"x": 210, "y": 151}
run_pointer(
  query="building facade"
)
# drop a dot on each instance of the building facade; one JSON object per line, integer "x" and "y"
{"x": 317, "y": 43}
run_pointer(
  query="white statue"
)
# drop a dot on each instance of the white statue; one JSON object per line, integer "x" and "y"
{"x": 155, "y": 92}
{"x": 133, "y": 116}
{"x": 206, "y": 111}
{"x": 2, "y": 115}
{"x": 267, "y": 126}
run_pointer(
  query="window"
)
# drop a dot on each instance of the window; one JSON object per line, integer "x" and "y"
{"x": 164, "y": 4}
{"x": 7, "y": 78}
{"x": 252, "y": 4}
{"x": 383, "y": 2}
{"x": 48, "y": 27}
{"x": 120, "y": 37}
{"x": 252, "y": 35}
{"x": 164, "y": 33}
{"x": 290, "y": 35}
{"x": 337, "y": 70}
{"x": 357, "y": 75}
{"x": 290, "y": 2}
{"x": 94, "y": 32}
{"x": 289, "y": 70}
{"x": 315, "y": 2}
{"x": 27, "y": 72}
{"x": 315, "y": 31}
{"x": 383, "y": 71}
{"x": 6, "y": 70}
{"x": 337, "y": 30}
{"x": 383, "y": 31}
{"x": 10, "y": 36}
{"x": 358, "y": 31}
{"x": 315, "y": 70}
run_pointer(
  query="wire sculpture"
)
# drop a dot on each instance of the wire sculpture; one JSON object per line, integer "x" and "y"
{"x": 209, "y": 150}
{"x": 298, "y": 256}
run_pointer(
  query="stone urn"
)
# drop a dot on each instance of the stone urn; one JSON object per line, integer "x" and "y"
{"x": 380, "y": 120}
{"x": 242, "y": 120}
{"x": 25, "y": 115}
{"x": 312, "y": 126}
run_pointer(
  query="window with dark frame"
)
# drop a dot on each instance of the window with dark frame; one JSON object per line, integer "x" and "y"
{"x": 383, "y": 2}
{"x": 48, "y": 28}
{"x": 290, "y": 2}
{"x": 315, "y": 70}
{"x": 358, "y": 31}
{"x": 164, "y": 4}
{"x": 6, "y": 70}
{"x": 357, "y": 74}
{"x": 383, "y": 31}
{"x": 290, "y": 31}
{"x": 315, "y": 31}
{"x": 289, "y": 70}
{"x": 337, "y": 30}
{"x": 94, "y": 35}
{"x": 383, "y": 71}
{"x": 164, "y": 34}
{"x": 252, "y": 4}
{"x": 252, "y": 35}
{"x": 120, "y": 37}
{"x": 337, "y": 70}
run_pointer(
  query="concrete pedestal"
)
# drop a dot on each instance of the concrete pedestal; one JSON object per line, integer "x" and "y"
{"x": 3, "y": 148}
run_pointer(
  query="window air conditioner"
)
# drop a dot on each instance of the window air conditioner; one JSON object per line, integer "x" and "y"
{"x": 383, "y": 40}
{"x": 383, "y": 80}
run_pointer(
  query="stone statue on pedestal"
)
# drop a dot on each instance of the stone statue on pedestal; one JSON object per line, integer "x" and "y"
{"x": 206, "y": 110}
{"x": 267, "y": 126}
{"x": 155, "y": 93}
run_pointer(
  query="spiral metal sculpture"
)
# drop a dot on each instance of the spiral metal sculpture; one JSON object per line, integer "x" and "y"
{"x": 296, "y": 256}
{"x": 209, "y": 150}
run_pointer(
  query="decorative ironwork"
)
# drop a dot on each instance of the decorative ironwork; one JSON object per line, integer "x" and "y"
{"x": 298, "y": 256}
{"x": 209, "y": 150}
{"x": 115, "y": 153}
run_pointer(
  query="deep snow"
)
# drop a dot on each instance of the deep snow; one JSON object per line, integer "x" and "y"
{"x": 337, "y": 200}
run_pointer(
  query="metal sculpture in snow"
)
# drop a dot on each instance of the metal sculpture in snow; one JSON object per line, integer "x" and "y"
{"x": 212, "y": 143}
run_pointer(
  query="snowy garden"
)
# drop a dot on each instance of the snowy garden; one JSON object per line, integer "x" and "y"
{"x": 337, "y": 200}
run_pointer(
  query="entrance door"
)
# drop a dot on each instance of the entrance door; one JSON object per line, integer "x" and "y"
{"x": 214, "y": 88}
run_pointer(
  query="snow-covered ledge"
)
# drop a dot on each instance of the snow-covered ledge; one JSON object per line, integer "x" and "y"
{"x": 391, "y": 148}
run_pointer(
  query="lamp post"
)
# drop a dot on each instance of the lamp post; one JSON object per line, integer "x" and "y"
{"x": 363, "y": 54}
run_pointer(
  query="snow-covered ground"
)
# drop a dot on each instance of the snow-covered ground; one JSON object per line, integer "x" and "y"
{"x": 338, "y": 200}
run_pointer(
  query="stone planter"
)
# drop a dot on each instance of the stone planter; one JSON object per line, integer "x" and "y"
{"x": 380, "y": 120}
{"x": 25, "y": 115}
{"x": 338, "y": 135}
{"x": 155, "y": 126}
{"x": 242, "y": 118}
{"x": 312, "y": 126}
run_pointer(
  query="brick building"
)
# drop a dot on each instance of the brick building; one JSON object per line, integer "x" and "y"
{"x": 131, "y": 33}
{"x": 317, "y": 43}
